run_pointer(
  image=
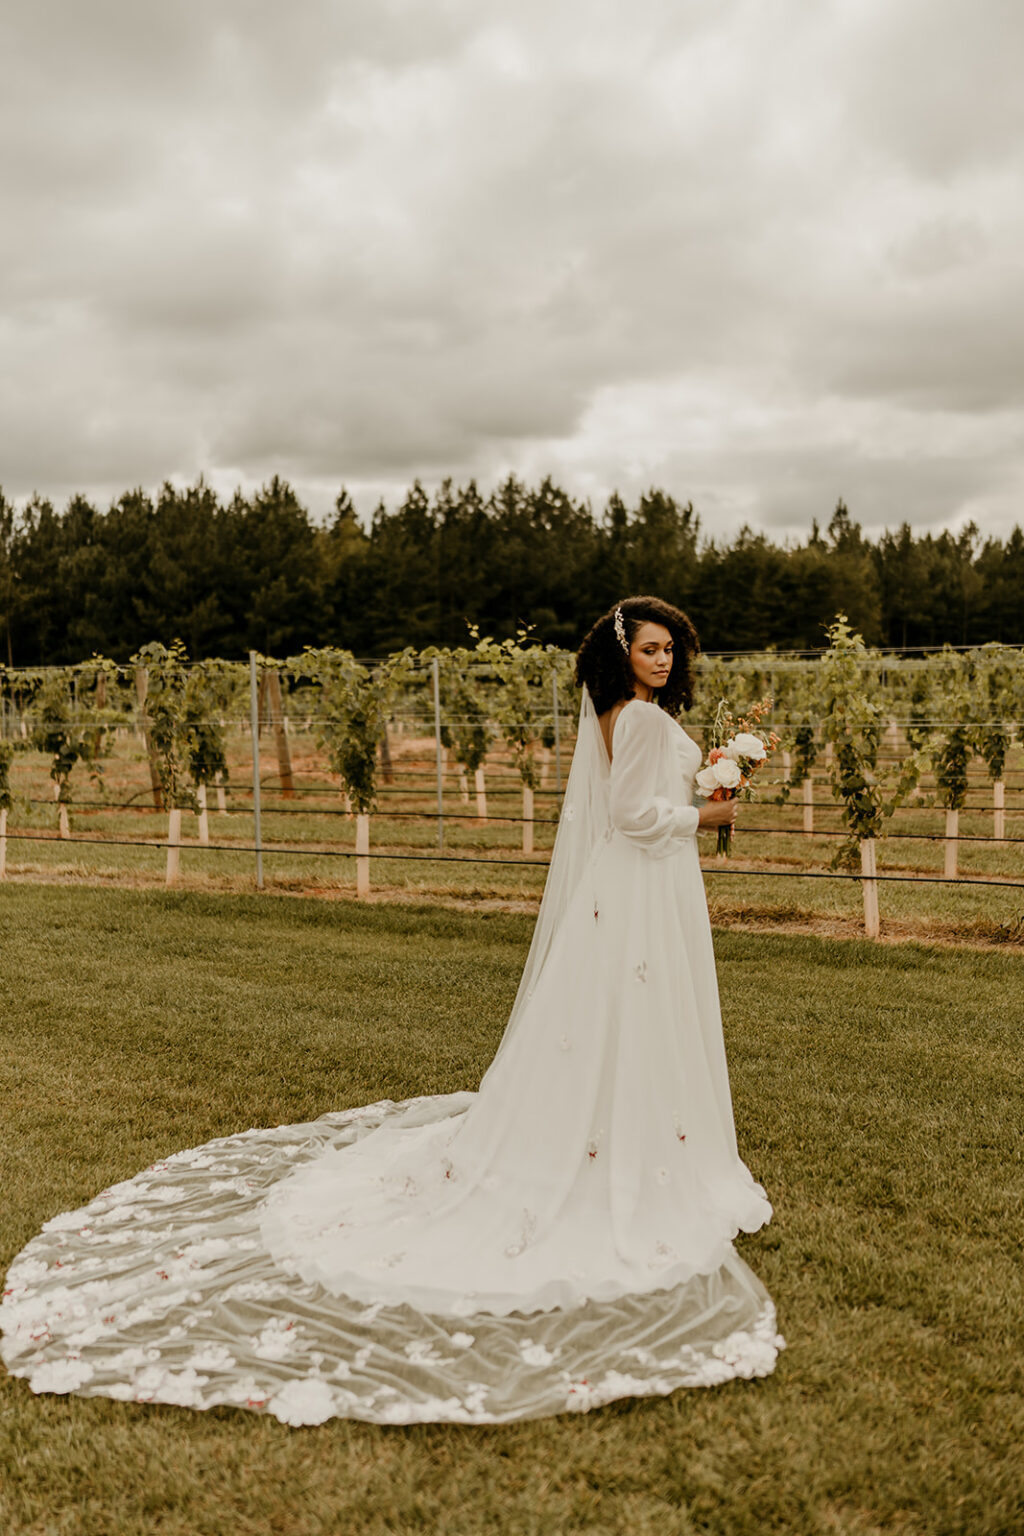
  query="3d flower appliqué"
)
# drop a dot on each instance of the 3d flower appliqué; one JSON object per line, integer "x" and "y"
{"x": 527, "y": 1233}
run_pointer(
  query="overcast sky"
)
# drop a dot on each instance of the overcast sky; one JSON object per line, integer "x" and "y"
{"x": 761, "y": 253}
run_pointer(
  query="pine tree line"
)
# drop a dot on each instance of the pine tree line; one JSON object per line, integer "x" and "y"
{"x": 258, "y": 572}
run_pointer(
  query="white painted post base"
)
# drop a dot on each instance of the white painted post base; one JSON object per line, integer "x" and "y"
{"x": 3, "y": 844}
{"x": 463, "y": 786}
{"x": 62, "y": 817}
{"x": 869, "y": 885}
{"x": 204, "y": 819}
{"x": 808, "y": 805}
{"x": 952, "y": 829}
{"x": 527, "y": 819}
{"x": 481, "y": 794}
{"x": 173, "y": 845}
{"x": 999, "y": 809}
{"x": 362, "y": 855}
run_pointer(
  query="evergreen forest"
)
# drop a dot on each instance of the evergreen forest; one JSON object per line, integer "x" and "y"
{"x": 259, "y": 572}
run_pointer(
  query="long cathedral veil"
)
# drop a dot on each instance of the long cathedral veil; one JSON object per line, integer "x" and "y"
{"x": 166, "y": 1287}
{"x": 581, "y": 826}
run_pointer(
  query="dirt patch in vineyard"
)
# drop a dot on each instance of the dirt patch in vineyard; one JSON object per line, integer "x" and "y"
{"x": 976, "y": 933}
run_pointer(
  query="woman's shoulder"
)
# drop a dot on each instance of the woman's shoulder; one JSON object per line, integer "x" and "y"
{"x": 648, "y": 713}
{"x": 643, "y": 718}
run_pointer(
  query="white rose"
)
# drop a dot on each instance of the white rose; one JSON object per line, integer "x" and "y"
{"x": 747, "y": 745}
{"x": 727, "y": 773}
{"x": 707, "y": 781}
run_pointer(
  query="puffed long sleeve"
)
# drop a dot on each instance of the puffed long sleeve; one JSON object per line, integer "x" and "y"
{"x": 644, "y": 764}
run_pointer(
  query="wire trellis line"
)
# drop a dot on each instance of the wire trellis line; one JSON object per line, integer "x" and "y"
{"x": 539, "y": 821}
{"x": 508, "y": 863}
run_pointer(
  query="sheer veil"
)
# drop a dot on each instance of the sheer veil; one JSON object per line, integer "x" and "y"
{"x": 554, "y": 1244}
{"x": 583, "y": 823}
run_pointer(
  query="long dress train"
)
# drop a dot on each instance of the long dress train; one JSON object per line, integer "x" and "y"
{"x": 558, "y": 1239}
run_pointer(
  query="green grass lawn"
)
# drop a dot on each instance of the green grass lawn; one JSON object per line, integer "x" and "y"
{"x": 878, "y": 1096}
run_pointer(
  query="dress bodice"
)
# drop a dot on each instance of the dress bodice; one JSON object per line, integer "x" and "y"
{"x": 690, "y": 756}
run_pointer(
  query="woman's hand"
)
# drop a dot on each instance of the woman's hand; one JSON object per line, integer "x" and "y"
{"x": 718, "y": 813}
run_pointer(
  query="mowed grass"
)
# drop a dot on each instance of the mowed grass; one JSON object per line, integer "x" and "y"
{"x": 878, "y": 1096}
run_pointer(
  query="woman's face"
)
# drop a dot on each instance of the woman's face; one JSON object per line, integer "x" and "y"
{"x": 650, "y": 655}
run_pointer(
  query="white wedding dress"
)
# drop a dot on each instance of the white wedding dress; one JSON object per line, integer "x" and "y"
{"x": 558, "y": 1239}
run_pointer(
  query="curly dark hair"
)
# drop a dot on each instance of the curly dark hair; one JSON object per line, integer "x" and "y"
{"x": 603, "y": 665}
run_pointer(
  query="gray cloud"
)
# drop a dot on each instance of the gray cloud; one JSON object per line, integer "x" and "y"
{"x": 762, "y": 255}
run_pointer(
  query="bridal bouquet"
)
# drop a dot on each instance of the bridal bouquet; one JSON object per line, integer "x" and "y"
{"x": 738, "y": 749}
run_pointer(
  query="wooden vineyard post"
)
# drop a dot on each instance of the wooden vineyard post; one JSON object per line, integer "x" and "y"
{"x": 952, "y": 831}
{"x": 558, "y": 733}
{"x": 254, "y": 721}
{"x": 436, "y": 677}
{"x": 527, "y": 818}
{"x": 63, "y": 830}
{"x": 869, "y": 885}
{"x": 204, "y": 820}
{"x": 480, "y": 786}
{"x": 284, "y": 758}
{"x": 173, "y": 844}
{"x": 362, "y": 855}
{"x": 387, "y": 767}
{"x": 96, "y": 736}
{"x": 999, "y": 809}
{"x": 141, "y": 689}
{"x": 808, "y": 805}
{"x": 3, "y": 843}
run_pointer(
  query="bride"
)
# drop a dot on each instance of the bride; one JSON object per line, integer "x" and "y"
{"x": 561, "y": 1238}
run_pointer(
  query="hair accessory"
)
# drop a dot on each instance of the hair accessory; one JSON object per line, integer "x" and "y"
{"x": 620, "y": 630}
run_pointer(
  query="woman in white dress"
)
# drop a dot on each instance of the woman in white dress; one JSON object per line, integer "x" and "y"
{"x": 558, "y": 1239}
